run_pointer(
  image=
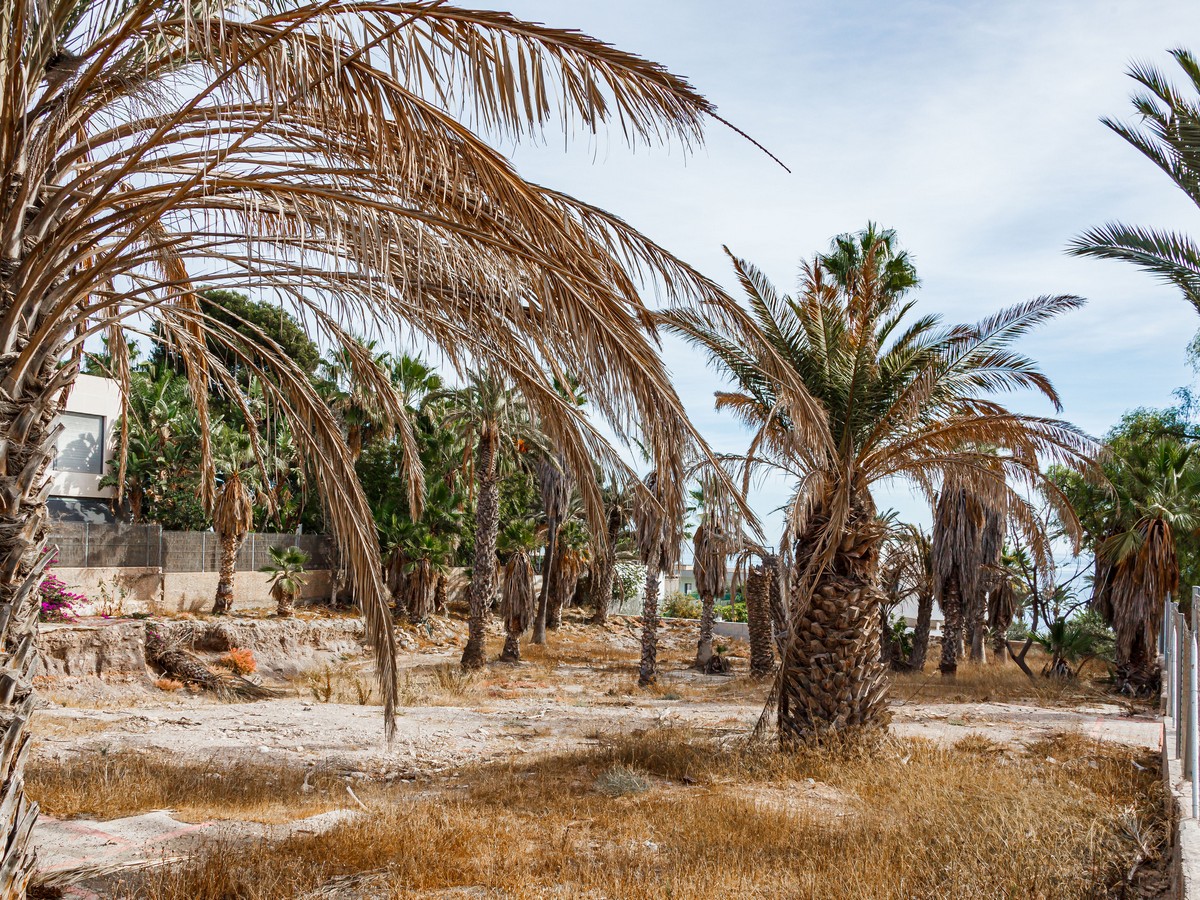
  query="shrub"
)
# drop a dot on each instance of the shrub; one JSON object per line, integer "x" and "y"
{"x": 57, "y": 603}
{"x": 239, "y": 661}
{"x": 681, "y": 606}
{"x": 168, "y": 684}
{"x": 732, "y": 612}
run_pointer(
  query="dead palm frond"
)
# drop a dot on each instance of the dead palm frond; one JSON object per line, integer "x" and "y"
{"x": 329, "y": 155}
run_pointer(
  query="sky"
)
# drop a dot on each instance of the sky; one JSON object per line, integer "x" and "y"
{"x": 972, "y": 128}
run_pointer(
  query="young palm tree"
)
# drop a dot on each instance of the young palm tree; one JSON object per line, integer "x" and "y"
{"x": 517, "y": 604}
{"x": 843, "y": 388}
{"x": 287, "y": 578}
{"x": 1169, "y": 136}
{"x": 908, "y": 572}
{"x": 322, "y": 151}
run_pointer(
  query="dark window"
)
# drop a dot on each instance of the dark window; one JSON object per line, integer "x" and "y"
{"x": 81, "y": 444}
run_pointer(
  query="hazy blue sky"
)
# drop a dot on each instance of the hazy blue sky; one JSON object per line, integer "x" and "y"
{"x": 970, "y": 127}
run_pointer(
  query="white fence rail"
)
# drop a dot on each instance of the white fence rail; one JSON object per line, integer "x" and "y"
{"x": 1181, "y": 690}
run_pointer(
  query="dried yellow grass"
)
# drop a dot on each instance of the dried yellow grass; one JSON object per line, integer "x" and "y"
{"x": 1065, "y": 819}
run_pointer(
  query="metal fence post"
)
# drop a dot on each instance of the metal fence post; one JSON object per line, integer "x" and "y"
{"x": 1193, "y": 718}
{"x": 86, "y": 561}
{"x": 203, "y": 551}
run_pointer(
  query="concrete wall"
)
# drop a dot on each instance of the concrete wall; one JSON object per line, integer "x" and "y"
{"x": 154, "y": 591}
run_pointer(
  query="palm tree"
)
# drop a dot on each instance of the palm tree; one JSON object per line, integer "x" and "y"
{"x": 140, "y": 143}
{"x": 958, "y": 561}
{"x": 494, "y": 418}
{"x": 617, "y": 514}
{"x": 1169, "y": 136}
{"x": 842, "y": 388}
{"x": 287, "y": 577}
{"x": 907, "y": 571}
{"x": 709, "y": 556}
{"x": 1137, "y": 565}
{"x": 556, "y": 484}
{"x": 572, "y": 559}
{"x": 658, "y": 514}
{"x": 517, "y": 606}
{"x": 233, "y": 516}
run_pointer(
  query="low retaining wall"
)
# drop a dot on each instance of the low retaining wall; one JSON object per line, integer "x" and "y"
{"x": 1185, "y": 830}
{"x": 117, "y": 590}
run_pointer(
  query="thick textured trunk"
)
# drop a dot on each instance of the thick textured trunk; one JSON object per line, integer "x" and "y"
{"x": 439, "y": 594}
{"x": 833, "y": 685}
{"x": 648, "y": 670}
{"x": 285, "y": 603}
{"x": 230, "y": 545}
{"x": 483, "y": 575}
{"x": 26, "y": 448}
{"x": 704, "y": 647}
{"x": 920, "y": 647}
{"x": 602, "y": 589}
{"x": 779, "y": 611}
{"x": 952, "y": 615}
{"x": 758, "y": 617}
{"x": 975, "y": 626}
{"x": 548, "y": 561}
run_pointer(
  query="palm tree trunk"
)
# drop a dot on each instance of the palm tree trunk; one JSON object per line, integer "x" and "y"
{"x": 483, "y": 574}
{"x": 975, "y": 612}
{"x": 704, "y": 647}
{"x": 602, "y": 589}
{"x": 951, "y": 627}
{"x": 439, "y": 594}
{"x": 285, "y": 604}
{"x": 920, "y": 647}
{"x": 230, "y": 545}
{"x": 26, "y": 450}
{"x": 548, "y": 559}
{"x": 833, "y": 684}
{"x": 758, "y": 617}
{"x": 648, "y": 670}
{"x": 779, "y": 612}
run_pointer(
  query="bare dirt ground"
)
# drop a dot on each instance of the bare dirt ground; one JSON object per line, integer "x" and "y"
{"x": 565, "y": 697}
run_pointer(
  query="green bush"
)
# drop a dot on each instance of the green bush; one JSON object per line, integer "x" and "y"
{"x": 681, "y": 606}
{"x": 732, "y": 612}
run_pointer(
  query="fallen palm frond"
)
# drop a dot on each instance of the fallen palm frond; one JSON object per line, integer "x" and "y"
{"x": 185, "y": 666}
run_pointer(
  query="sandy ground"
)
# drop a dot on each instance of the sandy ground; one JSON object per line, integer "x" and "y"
{"x": 550, "y": 703}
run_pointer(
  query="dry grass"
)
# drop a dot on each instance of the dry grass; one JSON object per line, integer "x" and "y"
{"x": 716, "y": 818}
{"x": 107, "y": 785}
{"x": 995, "y": 682}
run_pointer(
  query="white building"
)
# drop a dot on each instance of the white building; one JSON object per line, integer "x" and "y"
{"x": 85, "y": 446}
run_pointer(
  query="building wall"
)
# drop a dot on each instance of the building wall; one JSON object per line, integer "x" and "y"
{"x": 91, "y": 396}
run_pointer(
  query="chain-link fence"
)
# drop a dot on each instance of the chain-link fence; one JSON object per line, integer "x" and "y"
{"x": 149, "y": 546}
